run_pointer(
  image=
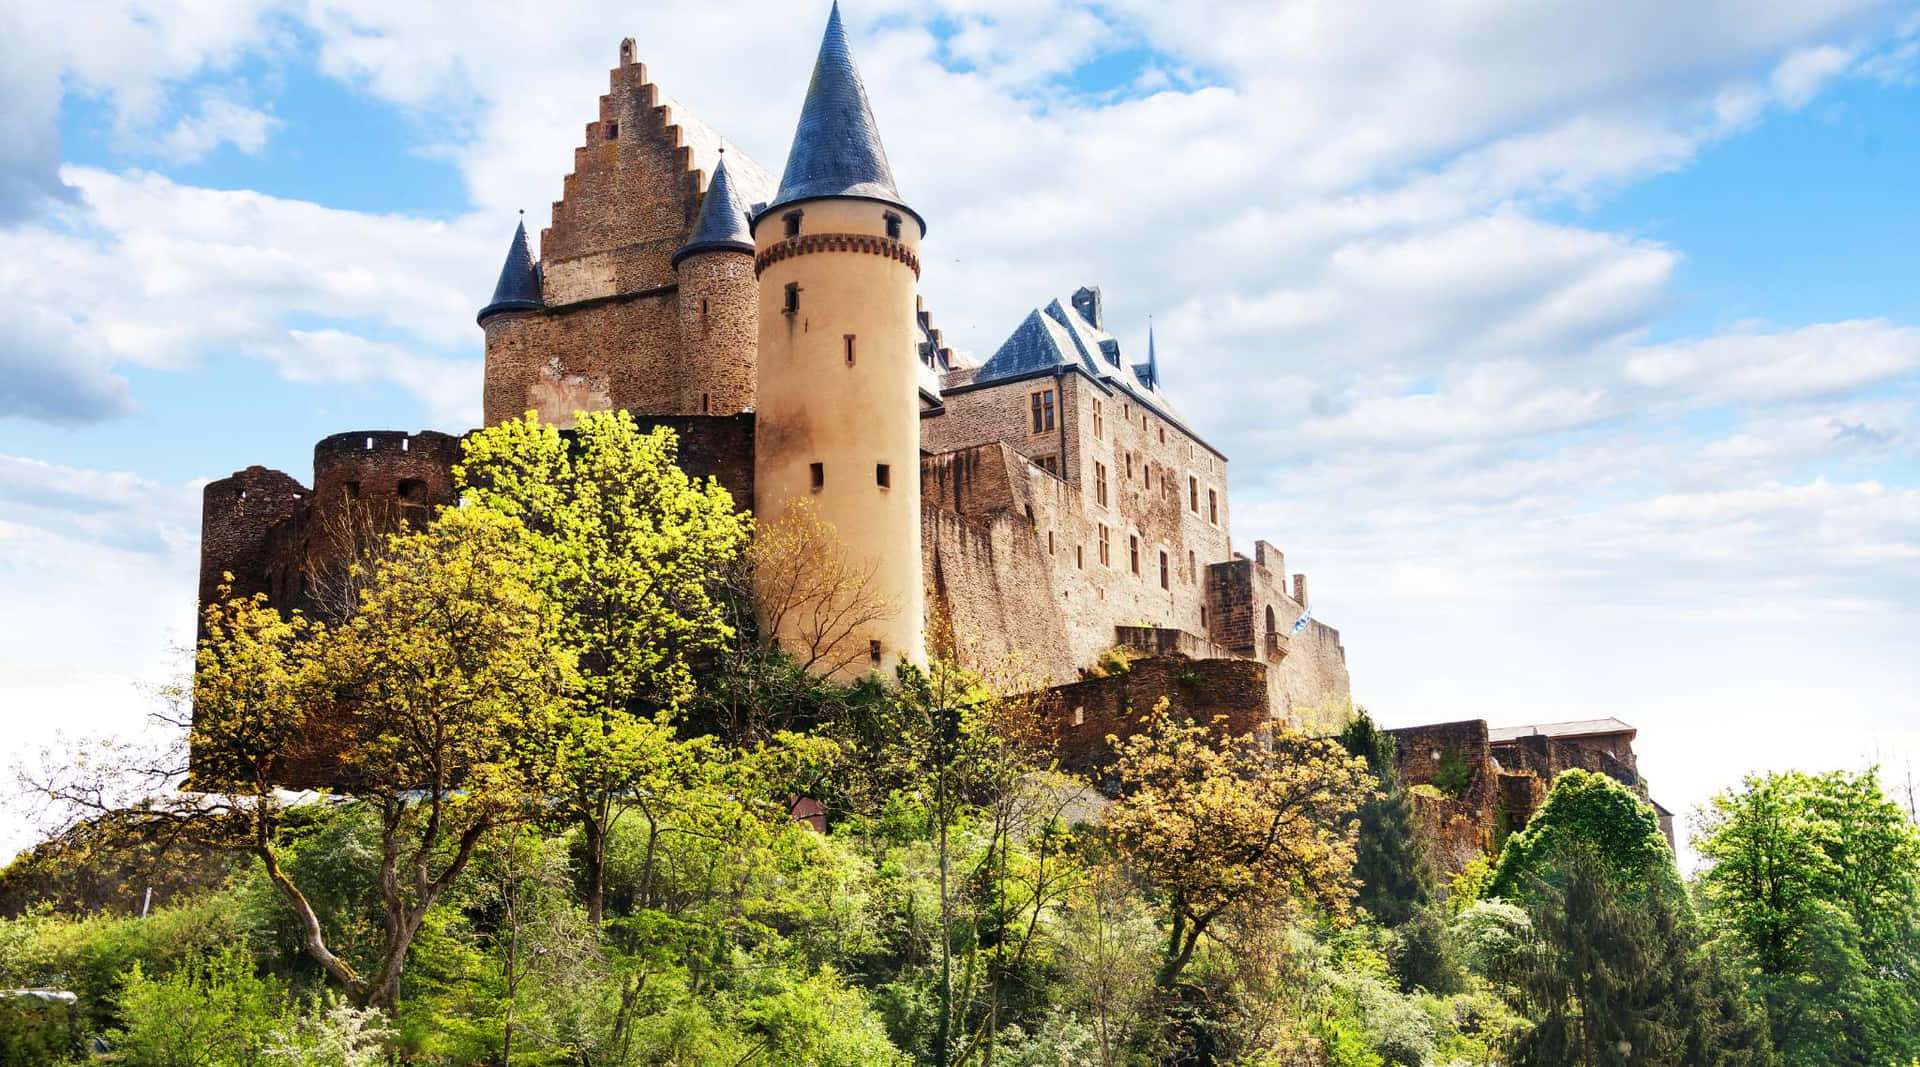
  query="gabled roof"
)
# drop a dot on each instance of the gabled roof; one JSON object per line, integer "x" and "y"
{"x": 1575, "y": 728}
{"x": 836, "y": 146}
{"x": 1058, "y": 336}
{"x": 519, "y": 286}
{"x": 722, "y": 226}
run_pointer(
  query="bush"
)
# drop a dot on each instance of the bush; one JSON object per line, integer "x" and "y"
{"x": 1491, "y": 936}
{"x": 210, "y": 1011}
{"x": 38, "y": 1030}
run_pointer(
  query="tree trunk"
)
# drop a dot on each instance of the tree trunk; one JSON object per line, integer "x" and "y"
{"x": 596, "y": 841}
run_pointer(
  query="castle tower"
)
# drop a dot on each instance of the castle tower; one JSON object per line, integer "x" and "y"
{"x": 719, "y": 316}
{"x": 837, "y": 423}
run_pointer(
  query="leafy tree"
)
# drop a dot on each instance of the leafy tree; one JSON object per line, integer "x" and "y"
{"x": 1815, "y": 880}
{"x": 1618, "y": 977}
{"x": 1217, "y": 823}
{"x": 629, "y": 549}
{"x": 1390, "y": 862}
{"x": 1593, "y": 813}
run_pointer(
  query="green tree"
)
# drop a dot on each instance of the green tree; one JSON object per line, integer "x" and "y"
{"x": 629, "y": 549}
{"x": 1618, "y": 977}
{"x": 1591, "y": 813}
{"x": 1815, "y": 880}
{"x": 1390, "y": 862}
{"x": 1216, "y": 822}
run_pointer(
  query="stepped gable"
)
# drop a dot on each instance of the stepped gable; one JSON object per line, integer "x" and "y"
{"x": 634, "y": 193}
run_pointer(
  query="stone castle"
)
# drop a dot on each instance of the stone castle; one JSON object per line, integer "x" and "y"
{"x": 1043, "y": 506}
{"x": 1046, "y": 504}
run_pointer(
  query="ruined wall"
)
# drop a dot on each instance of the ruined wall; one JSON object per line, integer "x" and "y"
{"x": 1252, "y": 609}
{"x": 237, "y": 514}
{"x": 1459, "y": 821}
{"x": 1085, "y": 713}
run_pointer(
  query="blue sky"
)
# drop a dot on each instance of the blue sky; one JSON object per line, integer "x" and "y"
{"x": 1574, "y": 352}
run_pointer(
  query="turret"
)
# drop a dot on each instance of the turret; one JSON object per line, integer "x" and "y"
{"x": 719, "y": 318}
{"x": 519, "y": 286}
{"x": 837, "y": 257}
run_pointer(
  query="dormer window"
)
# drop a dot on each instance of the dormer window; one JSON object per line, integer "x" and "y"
{"x": 792, "y": 219}
{"x": 893, "y": 226}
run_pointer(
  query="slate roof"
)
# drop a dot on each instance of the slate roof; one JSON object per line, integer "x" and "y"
{"x": 1576, "y": 728}
{"x": 722, "y": 225}
{"x": 1059, "y": 336}
{"x": 519, "y": 286}
{"x": 836, "y": 146}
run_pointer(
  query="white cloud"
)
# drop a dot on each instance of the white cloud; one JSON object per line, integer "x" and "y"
{"x": 219, "y": 119}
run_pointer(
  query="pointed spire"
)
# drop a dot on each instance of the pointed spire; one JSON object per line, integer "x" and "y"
{"x": 836, "y": 146}
{"x": 1149, "y": 372}
{"x": 519, "y": 286}
{"x": 722, "y": 225}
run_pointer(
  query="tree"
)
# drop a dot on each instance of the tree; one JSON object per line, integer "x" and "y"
{"x": 1619, "y": 977}
{"x": 1593, "y": 813}
{"x": 629, "y": 549}
{"x": 434, "y": 704}
{"x": 1815, "y": 880}
{"x": 810, "y": 594}
{"x": 1216, "y": 822}
{"x": 1390, "y": 862}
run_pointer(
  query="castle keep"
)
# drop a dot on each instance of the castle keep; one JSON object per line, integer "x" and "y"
{"x": 1042, "y": 505}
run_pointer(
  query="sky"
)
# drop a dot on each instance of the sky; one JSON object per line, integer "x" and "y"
{"x": 1572, "y": 349}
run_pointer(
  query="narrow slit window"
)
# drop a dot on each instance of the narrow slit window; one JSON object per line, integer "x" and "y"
{"x": 849, "y": 340}
{"x": 873, "y": 652}
{"x": 1193, "y": 494}
{"x": 883, "y": 475}
{"x": 1166, "y": 573}
{"x": 792, "y": 219}
{"x": 1133, "y": 554}
{"x": 706, "y": 403}
{"x": 1080, "y": 556}
{"x": 703, "y": 307}
{"x": 818, "y": 472}
{"x": 1213, "y": 507}
{"x": 893, "y": 225}
{"x": 793, "y": 297}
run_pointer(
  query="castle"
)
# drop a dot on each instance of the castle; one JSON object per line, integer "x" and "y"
{"x": 1045, "y": 504}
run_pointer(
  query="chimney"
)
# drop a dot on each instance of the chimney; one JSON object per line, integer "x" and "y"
{"x": 1300, "y": 589}
{"x": 1087, "y": 302}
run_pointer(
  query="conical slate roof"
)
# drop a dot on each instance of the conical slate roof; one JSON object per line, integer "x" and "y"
{"x": 723, "y": 220}
{"x": 836, "y": 147}
{"x": 1149, "y": 372}
{"x": 519, "y": 286}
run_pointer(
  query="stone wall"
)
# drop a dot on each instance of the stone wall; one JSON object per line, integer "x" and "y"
{"x": 1084, "y": 713}
{"x": 1252, "y": 610}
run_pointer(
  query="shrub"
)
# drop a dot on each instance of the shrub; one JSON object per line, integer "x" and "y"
{"x": 210, "y": 1011}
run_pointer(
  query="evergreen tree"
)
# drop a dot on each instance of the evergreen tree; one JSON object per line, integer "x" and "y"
{"x": 1390, "y": 863}
{"x": 1594, "y": 813}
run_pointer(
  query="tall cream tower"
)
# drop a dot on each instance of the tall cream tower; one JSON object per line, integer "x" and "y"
{"x": 837, "y": 254}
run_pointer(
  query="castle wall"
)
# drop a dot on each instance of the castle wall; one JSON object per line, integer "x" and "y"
{"x": 719, "y": 327}
{"x": 1085, "y": 713}
{"x": 236, "y": 515}
{"x": 1253, "y": 608}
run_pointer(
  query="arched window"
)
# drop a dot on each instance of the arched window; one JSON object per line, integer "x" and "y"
{"x": 1271, "y": 628}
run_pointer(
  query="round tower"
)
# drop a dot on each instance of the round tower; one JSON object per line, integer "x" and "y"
{"x": 719, "y": 319}
{"x": 837, "y": 420}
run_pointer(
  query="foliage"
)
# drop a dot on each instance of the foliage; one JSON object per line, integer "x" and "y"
{"x": 207, "y": 1011}
{"x": 1216, "y": 822}
{"x": 1592, "y": 813}
{"x": 626, "y": 547}
{"x": 1491, "y": 937}
{"x": 1617, "y": 976}
{"x": 1115, "y": 661}
{"x": 1815, "y": 881}
{"x": 34, "y": 1030}
{"x": 96, "y": 866}
{"x": 1390, "y": 859}
{"x": 1453, "y": 775}
{"x": 331, "y": 1033}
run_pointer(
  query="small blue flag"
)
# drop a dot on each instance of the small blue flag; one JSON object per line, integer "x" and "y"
{"x": 1301, "y": 624}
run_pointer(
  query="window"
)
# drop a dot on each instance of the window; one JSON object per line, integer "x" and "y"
{"x": 1050, "y": 465}
{"x": 1042, "y": 407}
{"x": 1203, "y": 616}
{"x": 1133, "y": 554}
{"x": 873, "y": 652}
{"x": 1096, "y": 420}
{"x": 1105, "y": 559}
{"x": 703, "y": 307}
{"x": 893, "y": 225}
{"x": 1163, "y": 435}
{"x": 613, "y": 131}
{"x": 1126, "y": 412}
{"x": 793, "y": 297}
{"x": 883, "y": 476}
{"x": 1193, "y": 568}
{"x": 819, "y": 472}
{"x": 1129, "y": 466}
{"x": 1049, "y": 542}
{"x": 1166, "y": 578}
{"x": 706, "y": 402}
{"x": 1100, "y": 483}
{"x": 1193, "y": 494}
{"x": 353, "y": 490}
{"x": 412, "y": 490}
{"x": 1213, "y": 507}
{"x": 1080, "y": 556}
{"x": 792, "y": 219}
{"x": 1271, "y": 628}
